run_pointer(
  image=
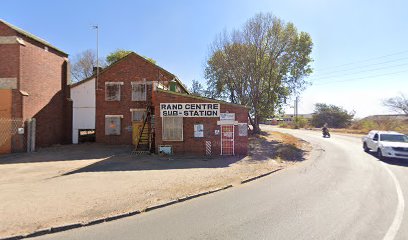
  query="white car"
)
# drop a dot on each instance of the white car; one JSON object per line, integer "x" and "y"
{"x": 386, "y": 144}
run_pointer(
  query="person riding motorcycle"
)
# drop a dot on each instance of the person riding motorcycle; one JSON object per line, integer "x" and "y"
{"x": 325, "y": 130}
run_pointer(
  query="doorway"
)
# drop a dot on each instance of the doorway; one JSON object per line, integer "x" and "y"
{"x": 227, "y": 139}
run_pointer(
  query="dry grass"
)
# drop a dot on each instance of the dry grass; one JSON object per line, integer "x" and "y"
{"x": 279, "y": 146}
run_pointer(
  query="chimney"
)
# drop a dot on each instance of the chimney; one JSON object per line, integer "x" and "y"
{"x": 94, "y": 70}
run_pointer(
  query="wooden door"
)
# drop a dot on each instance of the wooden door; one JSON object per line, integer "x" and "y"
{"x": 136, "y": 128}
{"x": 5, "y": 120}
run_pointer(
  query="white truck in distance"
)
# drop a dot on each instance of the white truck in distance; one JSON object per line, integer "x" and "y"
{"x": 386, "y": 144}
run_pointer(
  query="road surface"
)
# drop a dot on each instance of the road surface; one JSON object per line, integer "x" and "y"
{"x": 341, "y": 193}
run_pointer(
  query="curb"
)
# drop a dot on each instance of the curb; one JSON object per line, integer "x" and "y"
{"x": 45, "y": 231}
{"x": 260, "y": 176}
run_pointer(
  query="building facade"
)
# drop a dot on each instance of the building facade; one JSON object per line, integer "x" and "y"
{"x": 83, "y": 110}
{"x": 33, "y": 84}
{"x": 130, "y": 100}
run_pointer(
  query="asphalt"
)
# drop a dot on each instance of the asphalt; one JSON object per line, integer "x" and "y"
{"x": 340, "y": 193}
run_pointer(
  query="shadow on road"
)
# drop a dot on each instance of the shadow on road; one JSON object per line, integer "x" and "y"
{"x": 154, "y": 162}
{"x": 86, "y": 151}
{"x": 396, "y": 161}
{"x": 392, "y": 161}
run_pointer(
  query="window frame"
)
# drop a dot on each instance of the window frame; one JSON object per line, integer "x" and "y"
{"x": 182, "y": 129}
{"x": 137, "y": 110}
{"x": 144, "y": 98}
{"x": 119, "y": 90}
{"x": 120, "y": 124}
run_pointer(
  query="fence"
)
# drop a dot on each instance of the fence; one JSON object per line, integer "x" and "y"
{"x": 14, "y": 137}
{"x": 8, "y": 129}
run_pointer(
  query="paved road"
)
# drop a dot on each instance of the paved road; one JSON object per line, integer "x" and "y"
{"x": 341, "y": 193}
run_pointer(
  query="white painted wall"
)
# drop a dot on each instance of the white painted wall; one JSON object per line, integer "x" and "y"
{"x": 83, "y": 97}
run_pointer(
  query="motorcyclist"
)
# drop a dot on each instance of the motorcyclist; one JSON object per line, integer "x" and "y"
{"x": 325, "y": 130}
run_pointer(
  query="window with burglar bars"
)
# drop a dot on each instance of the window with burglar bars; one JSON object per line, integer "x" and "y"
{"x": 138, "y": 115}
{"x": 112, "y": 125}
{"x": 172, "y": 129}
{"x": 112, "y": 91}
{"x": 138, "y": 91}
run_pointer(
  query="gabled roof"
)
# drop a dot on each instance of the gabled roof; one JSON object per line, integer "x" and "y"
{"x": 33, "y": 37}
{"x": 144, "y": 59}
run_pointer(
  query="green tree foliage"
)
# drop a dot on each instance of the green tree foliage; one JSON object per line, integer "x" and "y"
{"x": 260, "y": 65}
{"x": 121, "y": 53}
{"x": 334, "y": 116}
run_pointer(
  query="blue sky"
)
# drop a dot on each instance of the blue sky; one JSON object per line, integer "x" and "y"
{"x": 371, "y": 37}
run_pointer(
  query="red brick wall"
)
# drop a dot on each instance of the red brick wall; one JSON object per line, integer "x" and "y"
{"x": 44, "y": 77}
{"x": 130, "y": 69}
{"x": 43, "y": 74}
{"x": 196, "y": 146}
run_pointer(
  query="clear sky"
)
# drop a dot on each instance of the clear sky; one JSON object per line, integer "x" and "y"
{"x": 360, "y": 47}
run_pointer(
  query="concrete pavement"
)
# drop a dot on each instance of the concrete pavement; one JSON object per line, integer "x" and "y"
{"x": 342, "y": 193}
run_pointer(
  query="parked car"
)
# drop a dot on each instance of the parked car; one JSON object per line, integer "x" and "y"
{"x": 386, "y": 144}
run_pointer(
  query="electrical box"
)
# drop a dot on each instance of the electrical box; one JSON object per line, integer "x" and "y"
{"x": 166, "y": 149}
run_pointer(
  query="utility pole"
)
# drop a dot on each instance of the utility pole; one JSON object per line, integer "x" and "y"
{"x": 97, "y": 56}
{"x": 296, "y": 108}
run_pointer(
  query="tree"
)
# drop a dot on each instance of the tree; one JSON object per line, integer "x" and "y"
{"x": 197, "y": 89}
{"x": 334, "y": 116}
{"x": 398, "y": 104}
{"x": 121, "y": 53}
{"x": 260, "y": 65}
{"x": 82, "y": 65}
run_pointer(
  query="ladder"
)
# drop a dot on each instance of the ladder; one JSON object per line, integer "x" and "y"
{"x": 144, "y": 143}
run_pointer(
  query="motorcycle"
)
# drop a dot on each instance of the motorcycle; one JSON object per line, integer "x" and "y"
{"x": 325, "y": 132}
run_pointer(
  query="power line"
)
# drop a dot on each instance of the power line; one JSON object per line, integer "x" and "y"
{"x": 361, "y": 61}
{"x": 360, "y": 78}
{"x": 356, "y": 73}
{"x": 364, "y": 66}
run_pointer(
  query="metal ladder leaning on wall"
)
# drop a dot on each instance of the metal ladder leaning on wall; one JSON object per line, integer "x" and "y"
{"x": 144, "y": 143}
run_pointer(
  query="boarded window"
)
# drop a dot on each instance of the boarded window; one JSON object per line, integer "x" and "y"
{"x": 112, "y": 91}
{"x": 138, "y": 91}
{"x": 112, "y": 125}
{"x": 138, "y": 115}
{"x": 172, "y": 129}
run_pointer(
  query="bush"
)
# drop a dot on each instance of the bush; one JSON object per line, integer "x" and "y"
{"x": 334, "y": 116}
{"x": 389, "y": 124}
{"x": 301, "y": 122}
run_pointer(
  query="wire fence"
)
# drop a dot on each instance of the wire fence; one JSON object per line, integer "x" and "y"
{"x": 9, "y": 128}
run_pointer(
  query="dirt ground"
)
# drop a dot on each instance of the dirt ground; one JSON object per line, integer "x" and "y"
{"x": 79, "y": 183}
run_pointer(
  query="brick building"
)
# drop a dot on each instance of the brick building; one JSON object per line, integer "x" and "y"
{"x": 33, "y": 84}
{"x": 139, "y": 103}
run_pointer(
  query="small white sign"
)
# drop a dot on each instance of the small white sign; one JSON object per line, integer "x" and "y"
{"x": 227, "y": 116}
{"x": 198, "y": 130}
{"x": 20, "y": 131}
{"x": 242, "y": 129}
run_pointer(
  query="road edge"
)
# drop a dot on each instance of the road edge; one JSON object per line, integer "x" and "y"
{"x": 70, "y": 226}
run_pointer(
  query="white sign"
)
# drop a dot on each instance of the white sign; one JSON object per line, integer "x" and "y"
{"x": 189, "y": 109}
{"x": 198, "y": 130}
{"x": 227, "y": 116}
{"x": 242, "y": 129}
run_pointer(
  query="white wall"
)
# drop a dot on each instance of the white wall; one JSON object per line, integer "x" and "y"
{"x": 83, "y": 97}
